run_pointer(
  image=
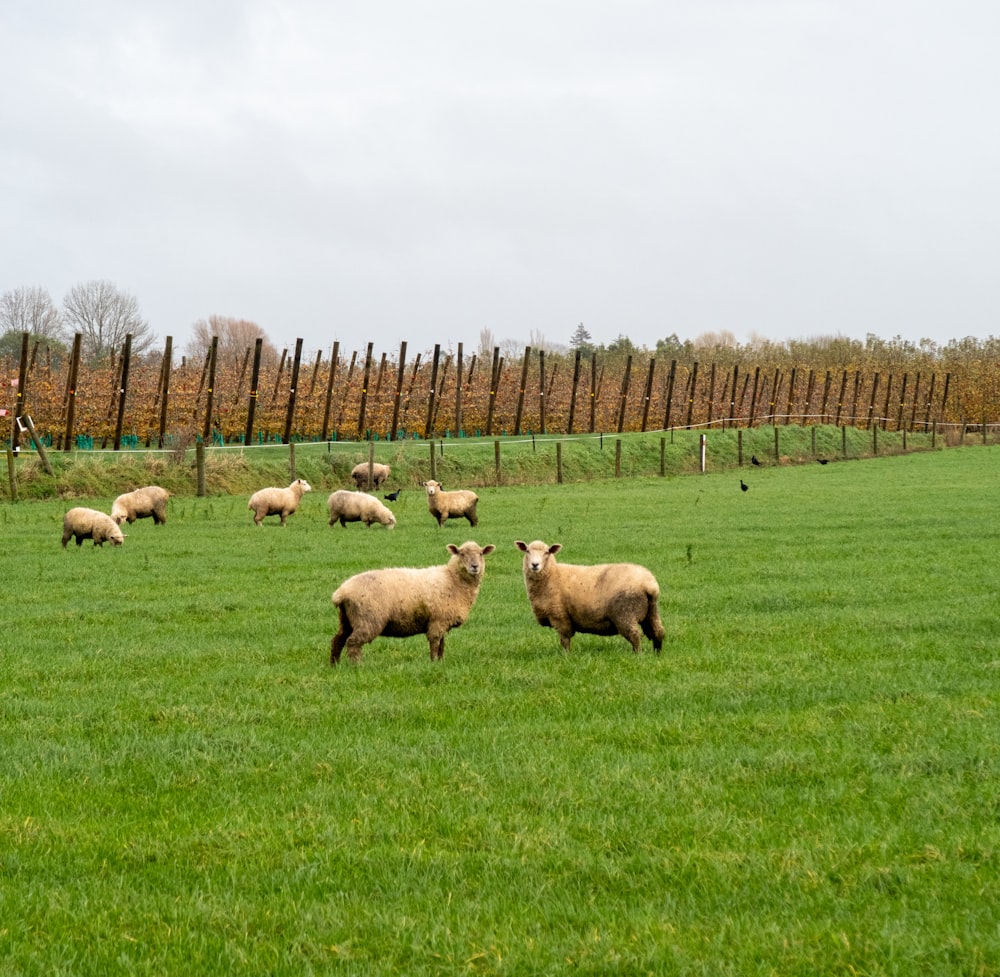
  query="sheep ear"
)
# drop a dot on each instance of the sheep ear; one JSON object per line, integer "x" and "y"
{"x": 488, "y": 549}
{"x": 555, "y": 548}
{"x": 452, "y": 548}
{"x": 521, "y": 545}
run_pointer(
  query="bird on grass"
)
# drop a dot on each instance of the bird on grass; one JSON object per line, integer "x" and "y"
{"x": 823, "y": 461}
{"x": 754, "y": 460}
{"x": 392, "y": 496}
{"x": 743, "y": 486}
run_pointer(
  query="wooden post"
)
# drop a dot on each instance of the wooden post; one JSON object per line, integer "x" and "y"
{"x": 885, "y": 409}
{"x": 871, "y": 406}
{"x": 916, "y": 396}
{"x": 593, "y": 392}
{"x": 624, "y": 394}
{"x": 753, "y": 396}
{"x": 826, "y": 397}
{"x": 277, "y": 379}
{"x": 254, "y": 380}
{"x": 74, "y": 371}
{"x": 123, "y": 390}
{"x": 429, "y": 423}
{"x": 39, "y": 447}
{"x": 439, "y": 392}
{"x": 541, "y": 391}
{"x": 166, "y": 365}
{"x": 371, "y": 465}
{"x": 671, "y": 377}
{"x": 777, "y": 446}
{"x": 12, "y": 473}
{"x": 400, "y": 374}
{"x": 458, "y": 392}
{"x": 930, "y": 402}
{"x": 19, "y": 400}
{"x": 494, "y": 383}
{"x": 739, "y": 447}
{"x": 694, "y": 380}
{"x": 572, "y": 393}
{"x": 496, "y": 459}
{"x": 213, "y": 354}
{"x": 902, "y": 403}
{"x": 362, "y": 410}
{"x": 791, "y": 394}
{"x": 334, "y": 359}
{"x": 520, "y": 395}
{"x": 711, "y": 396}
{"x": 648, "y": 393}
{"x": 732, "y": 397}
{"x": 618, "y": 457}
{"x": 199, "y": 457}
{"x": 663, "y": 457}
{"x": 559, "y": 471}
{"x": 315, "y": 374}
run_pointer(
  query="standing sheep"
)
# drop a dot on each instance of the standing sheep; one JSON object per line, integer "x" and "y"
{"x": 358, "y": 507}
{"x": 451, "y": 505}
{"x": 606, "y": 599}
{"x": 91, "y": 524}
{"x": 277, "y": 501}
{"x": 141, "y": 504}
{"x": 400, "y": 602}
{"x": 380, "y": 474}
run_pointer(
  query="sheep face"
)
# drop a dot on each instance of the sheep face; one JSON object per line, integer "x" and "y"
{"x": 537, "y": 555}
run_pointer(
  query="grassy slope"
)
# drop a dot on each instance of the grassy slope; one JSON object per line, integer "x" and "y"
{"x": 804, "y": 782}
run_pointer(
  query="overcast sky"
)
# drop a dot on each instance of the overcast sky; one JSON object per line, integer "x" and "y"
{"x": 421, "y": 171}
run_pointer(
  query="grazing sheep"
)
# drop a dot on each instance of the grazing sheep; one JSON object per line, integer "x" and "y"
{"x": 91, "y": 524}
{"x": 399, "y": 602}
{"x": 277, "y": 501}
{"x": 607, "y": 599}
{"x": 451, "y": 505}
{"x": 380, "y": 474}
{"x": 358, "y": 507}
{"x": 141, "y": 504}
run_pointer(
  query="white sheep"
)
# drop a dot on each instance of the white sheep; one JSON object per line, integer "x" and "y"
{"x": 91, "y": 524}
{"x": 400, "y": 602}
{"x": 141, "y": 504}
{"x": 380, "y": 474}
{"x": 348, "y": 507}
{"x": 451, "y": 505}
{"x": 606, "y": 599}
{"x": 277, "y": 501}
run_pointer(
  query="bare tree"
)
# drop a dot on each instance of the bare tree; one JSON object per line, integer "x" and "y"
{"x": 236, "y": 336}
{"x": 486, "y": 343}
{"x": 31, "y": 310}
{"x": 105, "y": 315}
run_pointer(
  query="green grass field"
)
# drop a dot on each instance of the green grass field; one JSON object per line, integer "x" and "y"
{"x": 805, "y": 782}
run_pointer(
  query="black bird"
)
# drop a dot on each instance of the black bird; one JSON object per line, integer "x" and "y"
{"x": 823, "y": 461}
{"x": 743, "y": 486}
{"x": 392, "y": 496}
{"x": 755, "y": 461}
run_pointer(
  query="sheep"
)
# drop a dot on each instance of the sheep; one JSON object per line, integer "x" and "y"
{"x": 140, "y": 504}
{"x": 277, "y": 501}
{"x": 358, "y": 507}
{"x": 380, "y": 474}
{"x": 451, "y": 505}
{"x": 91, "y": 524}
{"x": 606, "y": 599}
{"x": 399, "y": 602}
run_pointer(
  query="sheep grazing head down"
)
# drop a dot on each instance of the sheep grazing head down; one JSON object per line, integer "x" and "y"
{"x": 605, "y": 599}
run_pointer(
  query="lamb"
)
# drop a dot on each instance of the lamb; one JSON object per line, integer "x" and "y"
{"x": 277, "y": 501}
{"x": 399, "y": 602}
{"x": 380, "y": 474}
{"x": 358, "y": 507}
{"x": 141, "y": 504}
{"x": 606, "y": 599}
{"x": 451, "y": 505}
{"x": 91, "y": 524}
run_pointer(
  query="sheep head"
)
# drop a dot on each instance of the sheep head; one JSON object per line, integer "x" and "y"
{"x": 537, "y": 555}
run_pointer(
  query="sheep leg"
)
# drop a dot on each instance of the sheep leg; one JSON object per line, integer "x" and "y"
{"x": 339, "y": 639}
{"x": 632, "y": 634}
{"x": 653, "y": 630}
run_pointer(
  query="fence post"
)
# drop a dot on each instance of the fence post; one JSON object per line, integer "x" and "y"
{"x": 624, "y": 396}
{"x": 572, "y": 393}
{"x": 123, "y": 390}
{"x": 335, "y": 356}
{"x": 39, "y": 447}
{"x": 618, "y": 457}
{"x": 739, "y": 447}
{"x": 213, "y": 353}
{"x": 777, "y": 446}
{"x": 74, "y": 369}
{"x": 663, "y": 457}
{"x": 199, "y": 457}
{"x": 252, "y": 400}
{"x": 559, "y": 472}
{"x": 843, "y": 441}
{"x": 12, "y": 473}
{"x": 433, "y": 461}
{"x": 520, "y": 395}
{"x": 494, "y": 383}
{"x": 496, "y": 459}
{"x": 541, "y": 391}
{"x": 363, "y": 408}
{"x": 168, "y": 352}
{"x": 458, "y": 392}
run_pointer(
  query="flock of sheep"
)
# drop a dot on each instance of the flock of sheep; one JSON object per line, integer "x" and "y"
{"x": 399, "y": 602}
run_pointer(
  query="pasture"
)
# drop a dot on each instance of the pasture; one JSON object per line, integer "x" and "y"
{"x": 804, "y": 782}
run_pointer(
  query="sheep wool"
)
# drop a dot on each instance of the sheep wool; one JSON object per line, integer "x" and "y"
{"x": 348, "y": 507}
{"x": 605, "y": 599}
{"x": 90, "y": 524}
{"x": 399, "y": 602}
{"x": 277, "y": 501}
{"x": 143, "y": 503}
{"x": 380, "y": 475}
{"x": 459, "y": 504}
